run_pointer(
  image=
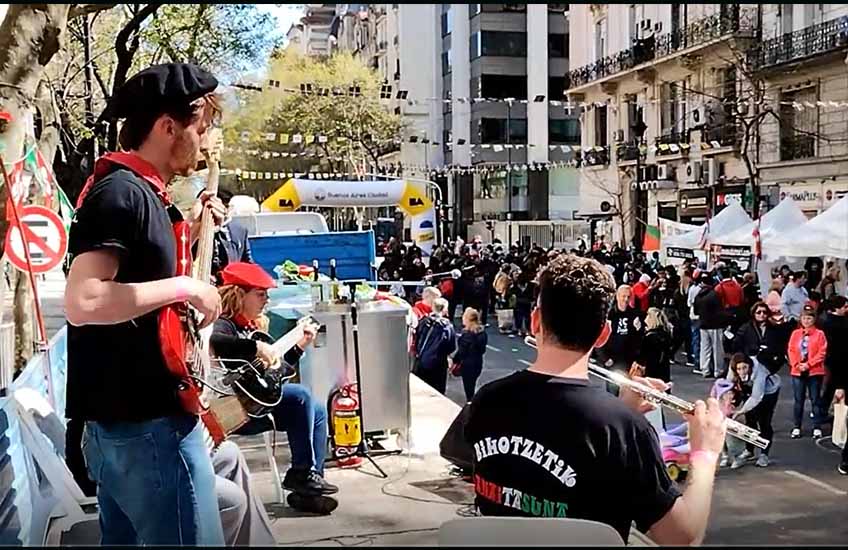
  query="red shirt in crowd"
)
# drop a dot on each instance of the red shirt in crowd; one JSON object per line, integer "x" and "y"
{"x": 730, "y": 293}
{"x": 640, "y": 299}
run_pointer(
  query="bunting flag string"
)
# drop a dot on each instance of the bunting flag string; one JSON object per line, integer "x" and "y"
{"x": 388, "y": 93}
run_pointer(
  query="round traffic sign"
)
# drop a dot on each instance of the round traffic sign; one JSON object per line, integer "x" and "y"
{"x": 46, "y": 236}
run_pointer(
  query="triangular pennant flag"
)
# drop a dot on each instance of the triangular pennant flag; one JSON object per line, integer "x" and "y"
{"x": 284, "y": 139}
{"x": 297, "y": 138}
{"x": 66, "y": 209}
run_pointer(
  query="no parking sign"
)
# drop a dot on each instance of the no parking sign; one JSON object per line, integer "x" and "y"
{"x": 46, "y": 236}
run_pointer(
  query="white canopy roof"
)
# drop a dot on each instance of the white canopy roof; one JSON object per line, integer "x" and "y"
{"x": 781, "y": 219}
{"x": 729, "y": 219}
{"x": 824, "y": 235}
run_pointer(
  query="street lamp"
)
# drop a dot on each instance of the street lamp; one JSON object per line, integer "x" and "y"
{"x": 509, "y": 101}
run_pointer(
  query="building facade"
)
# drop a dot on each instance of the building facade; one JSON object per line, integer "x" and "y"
{"x": 802, "y": 60}
{"x": 501, "y": 65}
{"x": 687, "y": 108}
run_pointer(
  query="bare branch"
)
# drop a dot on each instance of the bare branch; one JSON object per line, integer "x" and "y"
{"x": 78, "y": 10}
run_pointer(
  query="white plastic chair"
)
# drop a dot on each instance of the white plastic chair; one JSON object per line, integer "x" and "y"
{"x": 517, "y": 531}
{"x": 74, "y": 507}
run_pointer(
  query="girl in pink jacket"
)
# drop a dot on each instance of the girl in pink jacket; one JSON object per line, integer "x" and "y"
{"x": 807, "y": 350}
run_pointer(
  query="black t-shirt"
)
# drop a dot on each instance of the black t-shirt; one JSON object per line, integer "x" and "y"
{"x": 117, "y": 372}
{"x": 556, "y": 447}
{"x": 625, "y": 337}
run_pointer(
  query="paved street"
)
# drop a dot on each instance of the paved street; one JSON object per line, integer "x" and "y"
{"x": 799, "y": 499}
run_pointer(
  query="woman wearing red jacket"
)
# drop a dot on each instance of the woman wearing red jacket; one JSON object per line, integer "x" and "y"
{"x": 807, "y": 350}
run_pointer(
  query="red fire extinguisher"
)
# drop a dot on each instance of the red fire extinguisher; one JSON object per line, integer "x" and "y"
{"x": 346, "y": 429}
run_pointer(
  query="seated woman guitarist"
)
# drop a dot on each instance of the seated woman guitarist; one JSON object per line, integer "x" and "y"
{"x": 244, "y": 294}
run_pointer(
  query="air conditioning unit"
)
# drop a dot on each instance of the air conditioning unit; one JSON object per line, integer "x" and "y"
{"x": 618, "y": 136}
{"x": 693, "y": 171}
{"x": 645, "y": 24}
{"x": 712, "y": 171}
{"x": 664, "y": 172}
{"x": 698, "y": 116}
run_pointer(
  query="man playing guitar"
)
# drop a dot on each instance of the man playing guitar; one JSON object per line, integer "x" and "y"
{"x": 154, "y": 476}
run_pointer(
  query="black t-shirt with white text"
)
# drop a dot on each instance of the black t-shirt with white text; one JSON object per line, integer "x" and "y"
{"x": 556, "y": 447}
{"x": 117, "y": 372}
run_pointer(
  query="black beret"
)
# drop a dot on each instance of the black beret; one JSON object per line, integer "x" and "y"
{"x": 159, "y": 87}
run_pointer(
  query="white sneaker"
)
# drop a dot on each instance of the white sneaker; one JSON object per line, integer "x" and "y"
{"x": 745, "y": 455}
{"x": 725, "y": 460}
{"x": 763, "y": 460}
{"x": 796, "y": 433}
{"x": 817, "y": 433}
{"x": 737, "y": 463}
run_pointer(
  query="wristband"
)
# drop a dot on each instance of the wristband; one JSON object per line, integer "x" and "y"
{"x": 708, "y": 457}
{"x": 183, "y": 289}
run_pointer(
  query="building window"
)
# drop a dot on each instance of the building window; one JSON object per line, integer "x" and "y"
{"x": 447, "y": 64}
{"x": 502, "y": 86}
{"x": 673, "y": 110}
{"x": 556, "y": 88}
{"x": 447, "y": 21}
{"x": 632, "y": 34}
{"x": 495, "y": 43}
{"x": 497, "y": 8}
{"x": 798, "y": 128}
{"x": 600, "y": 39}
{"x": 557, "y": 45}
{"x": 493, "y": 130}
{"x": 493, "y": 185}
{"x": 564, "y": 131}
{"x": 601, "y": 126}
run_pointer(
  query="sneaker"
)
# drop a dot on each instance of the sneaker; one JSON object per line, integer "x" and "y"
{"x": 308, "y": 482}
{"x": 724, "y": 461}
{"x": 737, "y": 463}
{"x": 745, "y": 455}
{"x": 690, "y": 363}
{"x": 817, "y": 433}
{"x": 796, "y": 433}
{"x": 763, "y": 460}
{"x": 812, "y": 415}
{"x": 842, "y": 468}
{"x": 697, "y": 370}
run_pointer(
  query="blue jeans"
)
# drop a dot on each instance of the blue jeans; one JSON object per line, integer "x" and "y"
{"x": 155, "y": 482}
{"x": 695, "y": 352}
{"x": 801, "y": 387}
{"x": 304, "y": 419}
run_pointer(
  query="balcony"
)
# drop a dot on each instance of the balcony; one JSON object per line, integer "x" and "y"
{"x": 673, "y": 143}
{"x": 725, "y": 135}
{"x": 738, "y": 22}
{"x": 830, "y": 36}
{"x": 627, "y": 151}
{"x": 797, "y": 147}
{"x": 597, "y": 156}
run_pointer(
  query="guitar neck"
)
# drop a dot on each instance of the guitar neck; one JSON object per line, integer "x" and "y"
{"x": 287, "y": 341}
{"x": 202, "y": 268}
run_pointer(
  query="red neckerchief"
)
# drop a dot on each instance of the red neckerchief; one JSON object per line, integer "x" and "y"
{"x": 134, "y": 163}
{"x": 243, "y": 323}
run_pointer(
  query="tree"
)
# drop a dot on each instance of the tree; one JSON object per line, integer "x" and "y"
{"x": 338, "y": 98}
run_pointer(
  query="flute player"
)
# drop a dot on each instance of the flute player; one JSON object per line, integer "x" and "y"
{"x": 603, "y": 461}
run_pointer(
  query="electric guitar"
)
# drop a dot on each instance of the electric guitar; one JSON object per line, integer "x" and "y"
{"x": 261, "y": 387}
{"x": 185, "y": 348}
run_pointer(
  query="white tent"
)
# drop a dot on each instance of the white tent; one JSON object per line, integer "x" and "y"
{"x": 775, "y": 223}
{"x": 824, "y": 235}
{"x": 729, "y": 219}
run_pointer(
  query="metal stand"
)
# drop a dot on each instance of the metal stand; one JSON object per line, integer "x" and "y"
{"x": 362, "y": 450}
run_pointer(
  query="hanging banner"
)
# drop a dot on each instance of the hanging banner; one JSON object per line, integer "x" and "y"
{"x": 669, "y": 228}
{"x": 410, "y": 198}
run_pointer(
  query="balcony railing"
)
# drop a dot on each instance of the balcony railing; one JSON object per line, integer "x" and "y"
{"x": 725, "y": 135}
{"x": 738, "y": 22}
{"x": 823, "y": 38}
{"x": 627, "y": 151}
{"x": 597, "y": 156}
{"x": 797, "y": 147}
{"x": 672, "y": 143}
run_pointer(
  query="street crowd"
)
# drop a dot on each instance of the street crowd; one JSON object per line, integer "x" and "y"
{"x": 714, "y": 321}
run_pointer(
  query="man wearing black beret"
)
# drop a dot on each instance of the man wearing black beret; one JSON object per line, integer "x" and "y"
{"x": 155, "y": 480}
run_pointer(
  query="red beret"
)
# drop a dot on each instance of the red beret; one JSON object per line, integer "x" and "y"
{"x": 247, "y": 275}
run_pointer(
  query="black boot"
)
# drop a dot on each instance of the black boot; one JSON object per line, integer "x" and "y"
{"x": 307, "y": 483}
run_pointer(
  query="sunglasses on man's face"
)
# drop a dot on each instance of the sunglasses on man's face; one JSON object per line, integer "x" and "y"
{"x": 761, "y": 312}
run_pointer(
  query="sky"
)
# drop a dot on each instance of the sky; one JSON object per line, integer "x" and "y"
{"x": 286, "y": 14}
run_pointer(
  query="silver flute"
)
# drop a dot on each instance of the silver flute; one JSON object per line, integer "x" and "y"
{"x": 656, "y": 397}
